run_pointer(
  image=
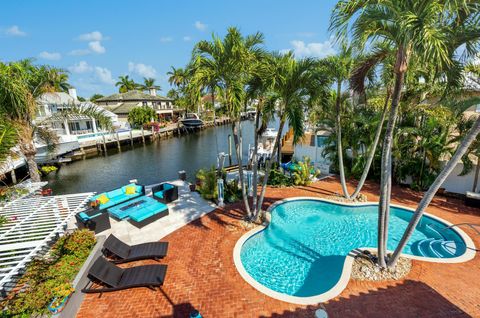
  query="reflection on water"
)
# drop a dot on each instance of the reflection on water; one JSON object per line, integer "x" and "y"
{"x": 155, "y": 162}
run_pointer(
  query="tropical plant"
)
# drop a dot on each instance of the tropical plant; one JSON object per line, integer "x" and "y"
{"x": 138, "y": 116}
{"x": 94, "y": 97}
{"x": 8, "y": 138}
{"x": 428, "y": 30}
{"x": 207, "y": 183}
{"x": 298, "y": 84}
{"x": 234, "y": 58}
{"x": 126, "y": 84}
{"x": 149, "y": 83}
{"x": 305, "y": 173}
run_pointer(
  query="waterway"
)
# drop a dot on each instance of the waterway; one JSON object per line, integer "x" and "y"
{"x": 151, "y": 163}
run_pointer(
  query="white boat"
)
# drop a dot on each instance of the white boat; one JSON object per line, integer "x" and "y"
{"x": 191, "y": 120}
{"x": 266, "y": 143}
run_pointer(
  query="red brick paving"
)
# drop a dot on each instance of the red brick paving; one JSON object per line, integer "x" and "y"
{"x": 201, "y": 274}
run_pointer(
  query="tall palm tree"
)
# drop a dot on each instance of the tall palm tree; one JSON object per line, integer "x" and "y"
{"x": 339, "y": 67}
{"x": 420, "y": 28}
{"x": 126, "y": 84}
{"x": 177, "y": 77}
{"x": 149, "y": 83}
{"x": 234, "y": 57}
{"x": 297, "y": 84}
{"x": 21, "y": 83}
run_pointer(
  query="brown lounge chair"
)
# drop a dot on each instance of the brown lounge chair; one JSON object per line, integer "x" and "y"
{"x": 122, "y": 252}
{"x": 115, "y": 278}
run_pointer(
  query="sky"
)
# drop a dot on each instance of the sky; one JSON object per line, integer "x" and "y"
{"x": 97, "y": 41}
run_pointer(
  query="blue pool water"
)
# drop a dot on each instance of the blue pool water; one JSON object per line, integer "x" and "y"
{"x": 302, "y": 252}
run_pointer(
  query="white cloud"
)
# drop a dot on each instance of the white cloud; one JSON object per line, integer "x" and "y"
{"x": 315, "y": 49}
{"x": 96, "y": 46}
{"x": 14, "y": 30}
{"x": 53, "y": 56}
{"x": 104, "y": 75}
{"x": 92, "y": 36}
{"x": 80, "y": 67}
{"x": 200, "y": 26}
{"x": 166, "y": 39}
{"x": 142, "y": 69}
{"x": 187, "y": 38}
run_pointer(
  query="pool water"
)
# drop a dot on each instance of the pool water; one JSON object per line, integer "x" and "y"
{"x": 302, "y": 251}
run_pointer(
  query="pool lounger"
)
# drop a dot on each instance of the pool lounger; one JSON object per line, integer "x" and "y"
{"x": 126, "y": 253}
{"x": 115, "y": 278}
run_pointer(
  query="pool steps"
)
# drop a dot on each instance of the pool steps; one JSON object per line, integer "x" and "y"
{"x": 439, "y": 246}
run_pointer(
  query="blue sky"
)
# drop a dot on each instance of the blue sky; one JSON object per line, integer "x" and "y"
{"x": 99, "y": 40}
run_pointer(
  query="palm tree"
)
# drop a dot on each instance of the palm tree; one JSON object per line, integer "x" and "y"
{"x": 339, "y": 67}
{"x": 8, "y": 138}
{"x": 297, "y": 84}
{"x": 177, "y": 77}
{"x": 21, "y": 83}
{"x": 148, "y": 84}
{"x": 234, "y": 57}
{"x": 420, "y": 28}
{"x": 126, "y": 84}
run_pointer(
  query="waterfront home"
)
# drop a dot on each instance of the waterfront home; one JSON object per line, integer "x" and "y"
{"x": 70, "y": 129}
{"x": 122, "y": 103}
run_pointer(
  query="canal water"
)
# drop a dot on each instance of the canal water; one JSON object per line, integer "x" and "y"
{"x": 152, "y": 163}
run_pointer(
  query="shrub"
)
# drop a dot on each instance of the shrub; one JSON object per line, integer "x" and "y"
{"x": 141, "y": 115}
{"x": 207, "y": 183}
{"x": 47, "y": 169}
{"x": 277, "y": 179}
{"x": 305, "y": 172}
{"x": 50, "y": 277}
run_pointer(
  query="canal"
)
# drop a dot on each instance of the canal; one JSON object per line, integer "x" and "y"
{"x": 151, "y": 163}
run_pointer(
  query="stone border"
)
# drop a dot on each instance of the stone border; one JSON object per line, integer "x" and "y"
{"x": 347, "y": 266}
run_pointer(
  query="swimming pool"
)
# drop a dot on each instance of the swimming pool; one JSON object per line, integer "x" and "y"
{"x": 302, "y": 255}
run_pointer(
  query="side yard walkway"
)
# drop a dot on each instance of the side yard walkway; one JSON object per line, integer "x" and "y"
{"x": 201, "y": 274}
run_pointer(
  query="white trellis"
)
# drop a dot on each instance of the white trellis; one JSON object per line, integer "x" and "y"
{"x": 34, "y": 222}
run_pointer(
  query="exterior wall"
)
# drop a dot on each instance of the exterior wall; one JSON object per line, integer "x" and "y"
{"x": 459, "y": 184}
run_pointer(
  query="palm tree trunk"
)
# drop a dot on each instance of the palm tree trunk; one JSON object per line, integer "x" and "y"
{"x": 269, "y": 164}
{"x": 236, "y": 130}
{"x": 371, "y": 155}
{"x": 427, "y": 198}
{"x": 29, "y": 153}
{"x": 255, "y": 165}
{"x": 339, "y": 142}
{"x": 386, "y": 165}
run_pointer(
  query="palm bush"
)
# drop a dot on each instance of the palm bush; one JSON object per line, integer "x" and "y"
{"x": 305, "y": 173}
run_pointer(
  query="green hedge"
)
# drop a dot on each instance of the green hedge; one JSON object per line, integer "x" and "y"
{"x": 51, "y": 276}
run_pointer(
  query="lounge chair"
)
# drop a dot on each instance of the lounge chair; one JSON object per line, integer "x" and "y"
{"x": 165, "y": 192}
{"x": 115, "y": 278}
{"x": 126, "y": 253}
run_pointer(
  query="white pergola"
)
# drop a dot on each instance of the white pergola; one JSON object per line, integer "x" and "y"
{"x": 34, "y": 223}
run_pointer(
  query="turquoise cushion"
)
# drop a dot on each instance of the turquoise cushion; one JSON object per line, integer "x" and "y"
{"x": 138, "y": 189}
{"x": 83, "y": 216}
{"x": 159, "y": 194}
{"x": 115, "y": 193}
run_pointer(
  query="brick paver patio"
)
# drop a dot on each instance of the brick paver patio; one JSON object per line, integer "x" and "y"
{"x": 201, "y": 274}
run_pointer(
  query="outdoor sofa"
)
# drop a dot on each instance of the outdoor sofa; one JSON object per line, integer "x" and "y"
{"x": 114, "y": 278}
{"x": 94, "y": 220}
{"x": 121, "y": 252}
{"x": 165, "y": 192}
{"x": 117, "y": 196}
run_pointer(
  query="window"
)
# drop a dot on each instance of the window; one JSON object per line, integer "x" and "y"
{"x": 144, "y": 103}
{"x": 89, "y": 125}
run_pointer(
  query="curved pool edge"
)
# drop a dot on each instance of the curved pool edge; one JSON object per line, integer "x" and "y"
{"x": 347, "y": 266}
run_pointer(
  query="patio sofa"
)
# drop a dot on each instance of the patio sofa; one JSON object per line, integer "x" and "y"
{"x": 117, "y": 196}
{"x": 165, "y": 192}
{"x": 94, "y": 220}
